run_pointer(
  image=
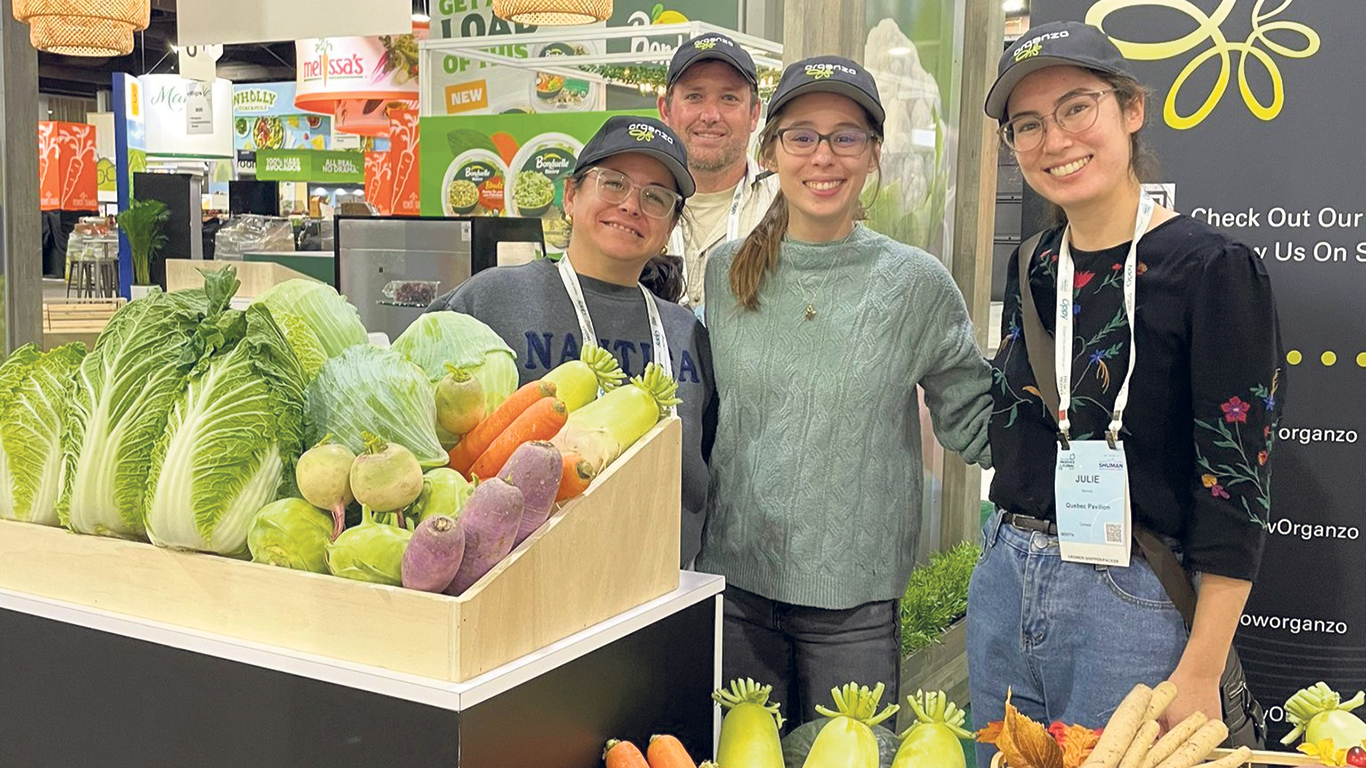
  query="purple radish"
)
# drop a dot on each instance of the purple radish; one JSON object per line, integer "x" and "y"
{"x": 535, "y": 469}
{"x": 490, "y": 519}
{"x": 434, "y": 554}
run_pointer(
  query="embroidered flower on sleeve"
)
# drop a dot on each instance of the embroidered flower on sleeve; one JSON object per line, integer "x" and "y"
{"x": 1262, "y": 457}
{"x": 1218, "y": 490}
{"x": 1209, "y": 481}
{"x": 1082, "y": 279}
{"x": 1235, "y": 410}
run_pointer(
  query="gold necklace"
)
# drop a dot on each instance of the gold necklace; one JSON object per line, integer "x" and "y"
{"x": 810, "y": 313}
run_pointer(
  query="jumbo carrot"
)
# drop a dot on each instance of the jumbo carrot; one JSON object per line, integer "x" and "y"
{"x": 623, "y": 754}
{"x": 542, "y": 421}
{"x": 668, "y": 752}
{"x": 576, "y": 477}
{"x": 473, "y": 445}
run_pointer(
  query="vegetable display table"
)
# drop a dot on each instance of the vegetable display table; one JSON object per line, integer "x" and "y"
{"x": 84, "y": 687}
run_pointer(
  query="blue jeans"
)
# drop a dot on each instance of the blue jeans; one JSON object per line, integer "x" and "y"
{"x": 1069, "y": 640}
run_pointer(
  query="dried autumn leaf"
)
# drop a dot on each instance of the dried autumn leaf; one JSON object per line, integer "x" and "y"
{"x": 1077, "y": 742}
{"x": 1026, "y": 744}
{"x": 991, "y": 733}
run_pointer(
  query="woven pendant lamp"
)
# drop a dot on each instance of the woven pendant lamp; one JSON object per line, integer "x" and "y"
{"x": 84, "y": 27}
{"x": 553, "y": 12}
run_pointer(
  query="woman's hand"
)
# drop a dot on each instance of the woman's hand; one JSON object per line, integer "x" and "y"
{"x": 1196, "y": 691}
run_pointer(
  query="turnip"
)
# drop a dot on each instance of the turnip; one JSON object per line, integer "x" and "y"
{"x": 933, "y": 742}
{"x": 1319, "y": 713}
{"x": 491, "y": 519}
{"x": 434, "y": 553}
{"x": 847, "y": 741}
{"x": 370, "y": 552}
{"x": 387, "y": 477}
{"x": 323, "y": 475}
{"x": 535, "y": 469}
{"x": 459, "y": 401}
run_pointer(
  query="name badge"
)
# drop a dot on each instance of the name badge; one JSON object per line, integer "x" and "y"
{"x": 1091, "y": 486}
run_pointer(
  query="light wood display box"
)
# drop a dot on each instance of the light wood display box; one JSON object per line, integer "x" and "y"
{"x": 610, "y": 550}
{"x": 1260, "y": 759}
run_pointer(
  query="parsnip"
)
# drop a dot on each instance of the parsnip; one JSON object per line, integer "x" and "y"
{"x": 1163, "y": 695}
{"x": 1210, "y": 735}
{"x": 1177, "y": 736}
{"x": 1119, "y": 732}
{"x": 1143, "y": 742}
{"x": 1237, "y": 759}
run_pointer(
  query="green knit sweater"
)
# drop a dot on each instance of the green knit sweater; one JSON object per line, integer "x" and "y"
{"x": 816, "y": 469}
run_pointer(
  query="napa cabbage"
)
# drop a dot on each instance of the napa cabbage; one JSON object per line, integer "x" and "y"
{"x": 436, "y": 339}
{"x": 368, "y": 389}
{"x": 34, "y": 389}
{"x": 232, "y": 437}
{"x": 335, "y": 322}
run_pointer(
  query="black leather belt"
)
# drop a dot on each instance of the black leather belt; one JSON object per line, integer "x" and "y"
{"x": 1027, "y": 523}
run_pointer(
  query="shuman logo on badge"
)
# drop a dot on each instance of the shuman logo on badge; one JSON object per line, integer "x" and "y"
{"x": 1091, "y": 486}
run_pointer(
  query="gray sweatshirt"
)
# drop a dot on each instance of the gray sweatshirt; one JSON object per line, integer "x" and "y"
{"x": 527, "y": 306}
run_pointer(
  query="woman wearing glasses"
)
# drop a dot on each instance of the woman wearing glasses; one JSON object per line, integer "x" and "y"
{"x": 624, "y": 197}
{"x": 1160, "y": 334}
{"x": 823, "y": 330}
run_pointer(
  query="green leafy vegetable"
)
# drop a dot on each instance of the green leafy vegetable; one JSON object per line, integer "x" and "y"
{"x": 439, "y": 338}
{"x": 368, "y": 389}
{"x": 231, "y": 441}
{"x": 335, "y": 322}
{"x": 34, "y": 389}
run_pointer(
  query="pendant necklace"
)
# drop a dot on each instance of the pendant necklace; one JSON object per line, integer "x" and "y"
{"x": 810, "y": 312}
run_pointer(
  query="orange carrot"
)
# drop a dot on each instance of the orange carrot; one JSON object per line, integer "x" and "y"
{"x": 623, "y": 754}
{"x": 668, "y": 752}
{"x": 542, "y": 421}
{"x": 473, "y": 445}
{"x": 577, "y": 476}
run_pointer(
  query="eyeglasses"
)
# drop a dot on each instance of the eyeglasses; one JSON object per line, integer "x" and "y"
{"x": 615, "y": 187}
{"x": 1074, "y": 115}
{"x": 846, "y": 143}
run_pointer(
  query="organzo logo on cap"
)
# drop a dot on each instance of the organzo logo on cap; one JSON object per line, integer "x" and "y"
{"x": 706, "y": 45}
{"x": 827, "y": 70}
{"x": 643, "y": 132}
{"x": 1035, "y": 47}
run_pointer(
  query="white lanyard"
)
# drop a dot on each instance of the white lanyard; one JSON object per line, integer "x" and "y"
{"x": 575, "y": 291}
{"x": 678, "y": 246}
{"x": 1062, "y": 349}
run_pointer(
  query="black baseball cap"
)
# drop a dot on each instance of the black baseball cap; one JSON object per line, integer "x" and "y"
{"x": 711, "y": 46}
{"x": 1048, "y": 45}
{"x": 646, "y": 135}
{"x": 829, "y": 74}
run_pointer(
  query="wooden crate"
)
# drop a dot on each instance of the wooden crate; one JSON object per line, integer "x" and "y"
{"x": 1259, "y": 759}
{"x": 68, "y": 320}
{"x": 606, "y": 552}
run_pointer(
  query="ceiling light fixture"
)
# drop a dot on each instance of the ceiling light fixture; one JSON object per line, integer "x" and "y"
{"x": 84, "y": 27}
{"x": 553, "y": 12}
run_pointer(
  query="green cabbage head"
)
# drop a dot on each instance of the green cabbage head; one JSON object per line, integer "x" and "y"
{"x": 335, "y": 322}
{"x": 231, "y": 440}
{"x": 438, "y": 338}
{"x": 290, "y": 533}
{"x": 35, "y": 388}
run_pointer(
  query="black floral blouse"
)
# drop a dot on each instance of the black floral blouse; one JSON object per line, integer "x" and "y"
{"x": 1207, "y": 388}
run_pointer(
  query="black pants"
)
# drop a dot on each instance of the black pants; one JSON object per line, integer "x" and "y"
{"x": 803, "y": 652}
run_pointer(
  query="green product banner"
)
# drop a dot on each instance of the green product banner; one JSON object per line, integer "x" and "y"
{"x": 310, "y": 166}
{"x": 505, "y": 165}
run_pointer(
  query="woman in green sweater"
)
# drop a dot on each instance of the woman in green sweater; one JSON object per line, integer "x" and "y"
{"x": 822, "y": 330}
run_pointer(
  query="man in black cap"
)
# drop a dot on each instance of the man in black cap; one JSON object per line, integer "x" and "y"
{"x": 712, "y": 102}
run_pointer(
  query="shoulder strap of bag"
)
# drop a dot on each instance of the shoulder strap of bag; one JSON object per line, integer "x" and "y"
{"x": 1039, "y": 346}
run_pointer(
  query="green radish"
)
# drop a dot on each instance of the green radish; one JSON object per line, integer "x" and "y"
{"x": 933, "y": 742}
{"x": 749, "y": 733}
{"x": 1319, "y": 713}
{"x": 577, "y": 382}
{"x": 606, "y": 427}
{"x": 459, "y": 401}
{"x": 847, "y": 741}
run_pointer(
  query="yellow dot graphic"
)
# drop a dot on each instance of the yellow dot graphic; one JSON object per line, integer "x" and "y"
{"x": 1329, "y": 358}
{"x": 1294, "y": 357}
{"x": 1361, "y": 359}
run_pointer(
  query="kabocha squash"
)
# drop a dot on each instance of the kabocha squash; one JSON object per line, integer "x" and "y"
{"x": 749, "y": 732}
{"x": 847, "y": 741}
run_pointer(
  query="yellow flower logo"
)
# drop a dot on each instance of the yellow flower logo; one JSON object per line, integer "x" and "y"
{"x": 704, "y": 45}
{"x": 1028, "y": 51}
{"x": 819, "y": 73}
{"x": 641, "y": 134}
{"x": 1208, "y": 29}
